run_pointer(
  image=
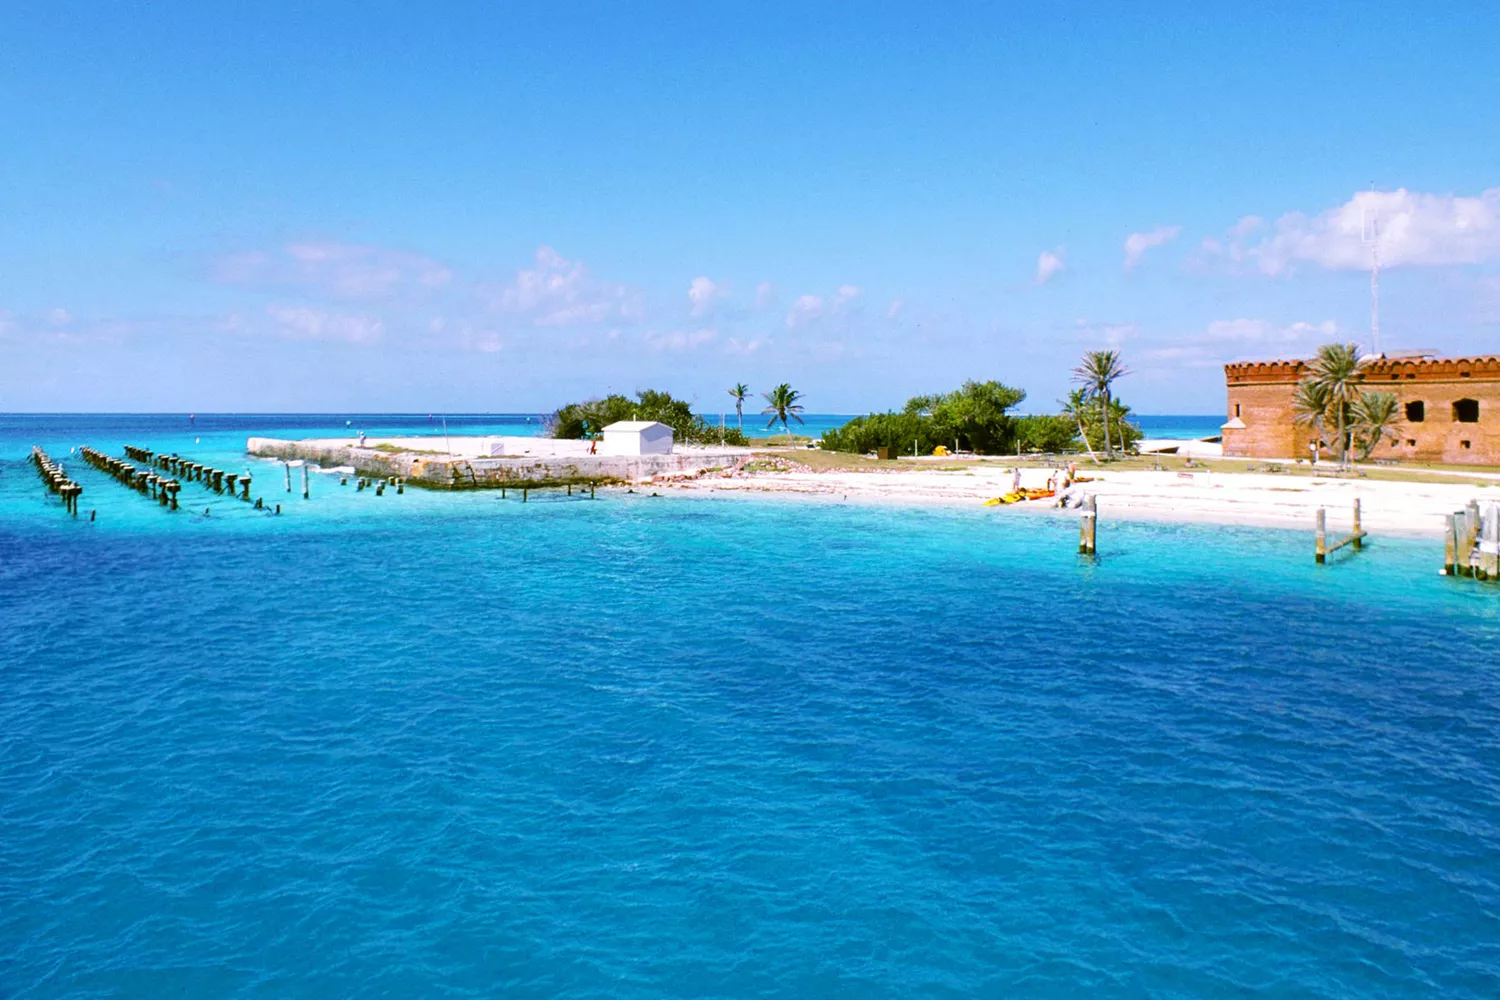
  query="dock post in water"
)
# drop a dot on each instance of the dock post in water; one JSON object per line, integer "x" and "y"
{"x": 1359, "y": 534}
{"x": 1464, "y": 549}
{"x": 1088, "y": 524}
{"x": 1321, "y": 543}
{"x": 287, "y": 467}
{"x": 305, "y": 492}
{"x": 1450, "y": 545}
{"x": 1489, "y": 544}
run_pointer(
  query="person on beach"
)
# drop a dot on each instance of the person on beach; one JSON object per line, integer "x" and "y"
{"x": 1015, "y": 480}
{"x": 361, "y": 439}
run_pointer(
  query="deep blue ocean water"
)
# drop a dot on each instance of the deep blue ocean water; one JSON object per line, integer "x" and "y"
{"x": 449, "y": 745}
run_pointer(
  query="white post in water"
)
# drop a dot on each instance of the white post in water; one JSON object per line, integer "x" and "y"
{"x": 287, "y": 467}
{"x": 304, "y": 481}
{"x": 1489, "y": 544}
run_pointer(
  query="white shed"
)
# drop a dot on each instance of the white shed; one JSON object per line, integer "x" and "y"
{"x": 636, "y": 437}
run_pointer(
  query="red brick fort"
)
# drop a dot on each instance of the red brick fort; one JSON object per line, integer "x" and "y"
{"x": 1450, "y": 409}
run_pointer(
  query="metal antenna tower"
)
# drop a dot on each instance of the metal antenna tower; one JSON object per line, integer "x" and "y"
{"x": 1369, "y": 235}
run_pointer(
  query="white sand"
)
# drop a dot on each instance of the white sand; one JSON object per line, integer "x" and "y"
{"x": 1221, "y": 498}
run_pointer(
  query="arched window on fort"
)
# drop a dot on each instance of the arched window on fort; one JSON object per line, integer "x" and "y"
{"x": 1466, "y": 411}
{"x": 1416, "y": 411}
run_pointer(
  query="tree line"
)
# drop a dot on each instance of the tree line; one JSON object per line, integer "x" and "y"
{"x": 977, "y": 417}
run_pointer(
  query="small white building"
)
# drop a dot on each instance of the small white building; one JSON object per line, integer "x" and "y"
{"x": 636, "y": 437}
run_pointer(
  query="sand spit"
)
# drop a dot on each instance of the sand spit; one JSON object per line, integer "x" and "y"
{"x": 1407, "y": 508}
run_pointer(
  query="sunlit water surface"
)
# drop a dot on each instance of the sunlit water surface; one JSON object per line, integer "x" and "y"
{"x": 449, "y": 745}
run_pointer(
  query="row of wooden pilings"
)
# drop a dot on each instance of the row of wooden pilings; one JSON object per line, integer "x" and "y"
{"x": 159, "y": 488}
{"x": 366, "y": 482}
{"x": 1471, "y": 543}
{"x": 57, "y": 480}
{"x": 237, "y": 485}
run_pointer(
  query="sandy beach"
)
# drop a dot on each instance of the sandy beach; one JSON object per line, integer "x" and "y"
{"x": 1218, "y": 497}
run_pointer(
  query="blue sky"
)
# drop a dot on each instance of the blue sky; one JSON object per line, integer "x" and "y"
{"x": 506, "y": 206}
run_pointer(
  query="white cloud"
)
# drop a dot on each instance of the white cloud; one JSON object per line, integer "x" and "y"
{"x": 736, "y": 346}
{"x": 59, "y": 317}
{"x": 704, "y": 295}
{"x": 562, "y": 292}
{"x": 1264, "y": 332}
{"x": 680, "y": 340}
{"x": 1248, "y": 224}
{"x": 847, "y": 293}
{"x": 806, "y": 309}
{"x": 302, "y": 323}
{"x": 1108, "y": 334}
{"x": 1048, "y": 264}
{"x": 765, "y": 294}
{"x": 1136, "y": 244}
{"x": 337, "y": 270}
{"x": 1243, "y": 338}
{"x": 893, "y": 311}
{"x": 1416, "y": 230}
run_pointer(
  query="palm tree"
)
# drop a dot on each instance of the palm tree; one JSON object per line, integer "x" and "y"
{"x": 1075, "y": 406}
{"x": 1310, "y": 409}
{"x": 1376, "y": 416}
{"x": 1097, "y": 374}
{"x": 739, "y": 392}
{"x": 782, "y": 405}
{"x": 1339, "y": 370}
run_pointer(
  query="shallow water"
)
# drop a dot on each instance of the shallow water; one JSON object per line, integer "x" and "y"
{"x": 450, "y": 745}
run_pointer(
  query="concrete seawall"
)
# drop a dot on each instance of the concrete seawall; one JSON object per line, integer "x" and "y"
{"x": 436, "y": 470}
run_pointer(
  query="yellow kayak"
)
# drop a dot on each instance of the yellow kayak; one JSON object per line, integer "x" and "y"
{"x": 1018, "y": 497}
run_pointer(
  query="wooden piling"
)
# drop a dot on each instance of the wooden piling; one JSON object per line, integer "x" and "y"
{"x": 1321, "y": 543}
{"x": 305, "y": 492}
{"x": 1464, "y": 553}
{"x": 1450, "y": 545}
{"x": 1489, "y": 544}
{"x": 1088, "y": 523}
{"x": 591, "y": 489}
{"x": 287, "y": 468}
{"x": 1359, "y": 535}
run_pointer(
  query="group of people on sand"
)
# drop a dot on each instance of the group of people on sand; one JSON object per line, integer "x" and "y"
{"x": 1060, "y": 479}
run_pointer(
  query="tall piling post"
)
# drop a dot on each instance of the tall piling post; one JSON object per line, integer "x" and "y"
{"x": 1464, "y": 552}
{"x": 1450, "y": 545}
{"x": 1088, "y": 523}
{"x": 1320, "y": 554}
{"x": 305, "y": 492}
{"x": 287, "y": 468}
{"x": 1359, "y": 534}
{"x": 245, "y": 483}
{"x": 1489, "y": 544}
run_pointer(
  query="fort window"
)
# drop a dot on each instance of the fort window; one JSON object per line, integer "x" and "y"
{"x": 1466, "y": 411}
{"x": 1416, "y": 411}
{"x": 1464, "y": 444}
{"x": 1236, "y": 409}
{"x": 1411, "y": 442}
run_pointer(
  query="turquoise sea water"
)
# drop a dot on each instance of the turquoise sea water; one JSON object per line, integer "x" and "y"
{"x": 448, "y": 745}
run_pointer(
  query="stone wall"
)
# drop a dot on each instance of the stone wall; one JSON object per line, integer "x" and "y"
{"x": 442, "y": 472}
{"x": 1448, "y": 389}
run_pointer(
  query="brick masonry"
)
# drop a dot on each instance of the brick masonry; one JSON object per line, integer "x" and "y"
{"x": 1450, "y": 409}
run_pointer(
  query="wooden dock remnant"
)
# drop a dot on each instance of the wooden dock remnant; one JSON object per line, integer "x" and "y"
{"x": 1088, "y": 526}
{"x": 1355, "y": 539}
{"x": 162, "y": 489}
{"x": 57, "y": 480}
{"x": 1471, "y": 542}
